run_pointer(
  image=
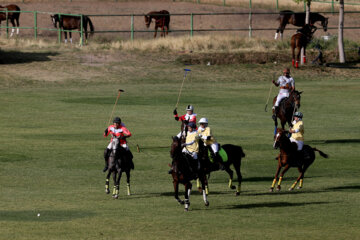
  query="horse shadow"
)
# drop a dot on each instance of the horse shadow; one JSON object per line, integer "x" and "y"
{"x": 271, "y": 205}
{"x": 334, "y": 141}
{"x": 347, "y": 65}
{"x": 15, "y": 57}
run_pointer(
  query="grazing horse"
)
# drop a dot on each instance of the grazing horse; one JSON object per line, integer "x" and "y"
{"x": 67, "y": 22}
{"x": 298, "y": 19}
{"x": 12, "y": 16}
{"x": 119, "y": 161}
{"x": 301, "y": 40}
{"x": 287, "y": 108}
{"x": 162, "y": 20}
{"x": 234, "y": 154}
{"x": 290, "y": 157}
{"x": 182, "y": 173}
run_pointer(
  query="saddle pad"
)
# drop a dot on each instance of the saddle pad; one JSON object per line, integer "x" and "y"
{"x": 223, "y": 155}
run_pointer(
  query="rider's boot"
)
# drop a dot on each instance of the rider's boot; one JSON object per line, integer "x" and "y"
{"x": 106, "y": 158}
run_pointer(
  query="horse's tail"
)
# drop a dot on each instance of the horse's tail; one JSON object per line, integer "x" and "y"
{"x": 92, "y": 29}
{"x": 324, "y": 155}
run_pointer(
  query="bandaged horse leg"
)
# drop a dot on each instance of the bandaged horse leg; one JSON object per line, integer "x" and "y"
{"x": 107, "y": 186}
{"x": 187, "y": 195}
{"x": 205, "y": 198}
{"x": 12, "y": 32}
{"x": 17, "y": 30}
{"x": 128, "y": 183}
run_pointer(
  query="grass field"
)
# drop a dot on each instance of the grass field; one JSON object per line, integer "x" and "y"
{"x": 55, "y": 105}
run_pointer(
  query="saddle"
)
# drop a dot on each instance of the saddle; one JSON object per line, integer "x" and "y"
{"x": 222, "y": 154}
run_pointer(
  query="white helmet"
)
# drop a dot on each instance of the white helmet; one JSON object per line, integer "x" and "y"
{"x": 203, "y": 120}
{"x": 189, "y": 108}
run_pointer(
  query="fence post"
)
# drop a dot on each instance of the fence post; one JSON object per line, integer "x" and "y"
{"x": 132, "y": 27}
{"x": 197, "y": 1}
{"x": 7, "y": 23}
{"x": 277, "y": 5}
{"x": 82, "y": 30}
{"x": 224, "y": 2}
{"x": 332, "y": 6}
{"x": 250, "y": 20}
{"x": 35, "y": 25}
{"x": 59, "y": 29}
{"x": 191, "y": 24}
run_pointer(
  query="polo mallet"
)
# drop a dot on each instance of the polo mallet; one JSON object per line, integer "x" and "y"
{"x": 117, "y": 98}
{"x": 269, "y": 94}
{"x": 182, "y": 84}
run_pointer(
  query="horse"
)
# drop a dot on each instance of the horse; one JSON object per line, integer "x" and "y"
{"x": 234, "y": 155}
{"x": 67, "y": 22}
{"x": 120, "y": 160}
{"x": 298, "y": 19}
{"x": 162, "y": 20}
{"x": 301, "y": 40}
{"x": 290, "y": 157}
{"x": 182, "y": 173}
{"x": 12, "y": 16}
{"x": 287, "y": 108}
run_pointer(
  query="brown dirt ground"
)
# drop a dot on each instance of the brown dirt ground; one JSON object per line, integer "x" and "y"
{"x": 267, "y": 21}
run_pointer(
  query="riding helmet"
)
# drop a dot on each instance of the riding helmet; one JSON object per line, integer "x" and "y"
{"x": 189, "y": 108}
{"x": 203, "y": 120}
{"x": 298, "y": 114}
{"x": 192, "y": 125}
{"x": 117, "y": 120}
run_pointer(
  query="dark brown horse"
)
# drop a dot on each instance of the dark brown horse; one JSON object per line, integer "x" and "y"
{"x": 119, "y": 161}
{"x": 12, "y": 16}
{"x": 67, "y": 22}
{"x": 183, "y": 172}
{"x": 287, "y": 108}
{"x": 298, "y": 19}
{"x": 301, "y": 40}
{"x": 290, "y": 157}
{"x": 162, "y": 20}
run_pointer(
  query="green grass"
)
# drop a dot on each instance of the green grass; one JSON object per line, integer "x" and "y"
{"x": 53, "y": 113}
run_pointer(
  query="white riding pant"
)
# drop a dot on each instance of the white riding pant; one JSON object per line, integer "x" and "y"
{"x": 299, "y": 144}
{"x": 215, "y": 147}
{"x": 112, "y": 145}
{"x": 192, "y": 154}
{"x": 280, "y": 96}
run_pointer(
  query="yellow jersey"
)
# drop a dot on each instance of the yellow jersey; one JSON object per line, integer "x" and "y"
{"x": 191, "y": 141}
{"x": 299, "y": 134}
{"x": 205, "y": 133}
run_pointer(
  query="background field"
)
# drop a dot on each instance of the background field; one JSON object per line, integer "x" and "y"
{"x": 55, "y": 104}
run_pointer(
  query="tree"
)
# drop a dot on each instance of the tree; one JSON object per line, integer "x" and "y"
{"x": 341, "y": 32}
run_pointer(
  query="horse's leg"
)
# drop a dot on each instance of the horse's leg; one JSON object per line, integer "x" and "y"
{"x": 18, "y": 25}
{"x": 231, "y": 175}
{"x": 70, "y": 35}
{"x": 156, "y": 28}
{"x": 301, "y": 171}
{"x": 298, "y": 56}
{"x": 65, "y": 34}
{"x": 13, "y": 28}
{"x": 239, "y": 177}
{"x": 278, "y": 188}
{"x": 203, "y": 182}
{"x": 198, "y": 185}
{"x": 128, "y": 182}
{"x": 304, "y": 57}
{"x": 188, "y": 187}
{"x": 176, "y": 192}
{"x": 114, "y": 179}
{"x": 119, "y": 173}
{"x": 276, "y": 176}
{"x": 107, "y": 182}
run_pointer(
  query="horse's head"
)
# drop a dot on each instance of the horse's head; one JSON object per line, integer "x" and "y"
{"x": 147, "y": 20}
{"x": 324, "y": 24}
{"x": 175, "y": 146}
{"x": 55, "y": 19}
{"x": 296, "y": 97}
{"x": 279, "y": 137}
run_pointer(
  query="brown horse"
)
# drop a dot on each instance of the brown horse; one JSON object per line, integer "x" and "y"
{"x": 182, "y": 172}
{"x": 67, "y": 22}
{"x": 13, "y": 16}
{"x": 162, "y": 20}
{"x": 287, "y": 108}
{"x": 301, "y": 40}
{"x": 298, "y": 19}
{"x": 290, "y": 157}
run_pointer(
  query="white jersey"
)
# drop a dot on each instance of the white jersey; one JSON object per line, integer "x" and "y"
{"x": 285, "y": 84}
